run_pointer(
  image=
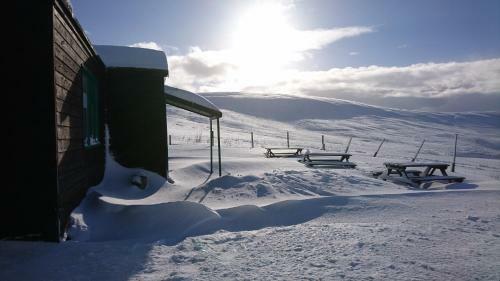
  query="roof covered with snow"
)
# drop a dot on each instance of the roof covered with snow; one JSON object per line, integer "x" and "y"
{"x": 192, "y": 102}
{"x": 132, "y": 57}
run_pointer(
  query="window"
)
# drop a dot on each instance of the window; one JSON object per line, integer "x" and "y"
{"x": 90, "y": 109}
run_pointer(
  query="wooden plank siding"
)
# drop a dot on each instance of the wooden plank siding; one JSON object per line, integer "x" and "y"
{"x": 67, "y": 133}
{"x": 139, "y": 137}
{"x": 78, "y": 167}
{"x": 28, "y": 201}
{"x": 49, "y": 168}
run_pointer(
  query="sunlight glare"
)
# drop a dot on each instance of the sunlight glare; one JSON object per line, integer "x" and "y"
{"x": 263, "y": 42}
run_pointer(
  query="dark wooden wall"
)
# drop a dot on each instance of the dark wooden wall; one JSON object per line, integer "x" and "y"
{"x": 137, "y": 118}
{"x": 78, "y": 167}
{"x": 28, "y": 198}
{"x": 48, "y": 170}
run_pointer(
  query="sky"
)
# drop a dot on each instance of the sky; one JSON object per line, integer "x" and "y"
{"x": 437, "y": 55}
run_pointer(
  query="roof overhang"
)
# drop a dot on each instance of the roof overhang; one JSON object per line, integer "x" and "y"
{"x": 132, "y": 58}
{"x": 191, "y": 102}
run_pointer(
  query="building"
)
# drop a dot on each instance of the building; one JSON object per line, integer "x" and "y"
{"x": 137, "y": 117}
{"x": 63, "y": 93}
{"x": 56, "y": 120}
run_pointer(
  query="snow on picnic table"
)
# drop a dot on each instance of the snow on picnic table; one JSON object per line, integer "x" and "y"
{"x": 275, "y": 219}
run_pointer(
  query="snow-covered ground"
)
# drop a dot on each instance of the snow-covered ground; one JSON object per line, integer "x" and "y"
{"x": 275, "y": 219}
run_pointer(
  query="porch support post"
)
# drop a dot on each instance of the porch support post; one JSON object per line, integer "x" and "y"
{"x": 218, "y": 147}
{"x": 166, "y": 133}
{"x": 211, "y": 148}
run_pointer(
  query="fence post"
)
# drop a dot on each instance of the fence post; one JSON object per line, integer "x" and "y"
{"x": 454, "y": 154}
{"x": 376, "y": 152}
{"x": 169, "y": 139}
{"x": 323, "y": 142}
{"x": 251, "y": 138}
{"x": 287, "y": 139}
{"x": 418, "y": 151}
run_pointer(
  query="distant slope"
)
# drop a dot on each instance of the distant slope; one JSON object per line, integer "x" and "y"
{"x": 286, "y": 108}
{"x": 269, "y": 116}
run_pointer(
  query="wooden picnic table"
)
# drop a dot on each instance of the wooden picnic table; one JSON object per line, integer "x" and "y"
{"x": 416, "y": 176}
{"x": 283, "y": 151}
{"x": 340, "y": 160}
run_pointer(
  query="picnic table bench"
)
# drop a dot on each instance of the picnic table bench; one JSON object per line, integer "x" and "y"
{"x": 416, "y": 177}
{"x": 338, "y": 160}
{"x": 283, "y": 151}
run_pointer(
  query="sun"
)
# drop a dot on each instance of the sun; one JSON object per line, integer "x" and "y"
{"x": 263, "y": 42}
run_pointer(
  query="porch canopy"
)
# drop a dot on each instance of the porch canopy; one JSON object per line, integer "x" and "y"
{"x": 191, "y": 102}
{"x": 200, "y": 105}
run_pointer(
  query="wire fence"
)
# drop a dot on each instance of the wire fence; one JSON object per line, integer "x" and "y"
{"x": 317, "y": 141}
{"x": 437, "y": 148}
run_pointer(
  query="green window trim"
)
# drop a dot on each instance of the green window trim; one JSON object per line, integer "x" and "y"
{"x": 90, "y": 109}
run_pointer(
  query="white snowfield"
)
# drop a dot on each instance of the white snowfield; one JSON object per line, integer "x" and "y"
{"x": 274, "y": 218}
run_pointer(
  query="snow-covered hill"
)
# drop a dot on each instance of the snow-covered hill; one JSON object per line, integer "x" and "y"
{"x": 289, "y": 108}
{"x": 270, "y": 116}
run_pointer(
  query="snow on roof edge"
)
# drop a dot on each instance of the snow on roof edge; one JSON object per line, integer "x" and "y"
{"x": 191, "y": 98}
{"x": 132, "y": 57}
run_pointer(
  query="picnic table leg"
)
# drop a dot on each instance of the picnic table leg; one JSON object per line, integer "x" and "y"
{"x": 443, "y": 171}
{"x": 426, "y": 172}
{"x": 431, "y": 171}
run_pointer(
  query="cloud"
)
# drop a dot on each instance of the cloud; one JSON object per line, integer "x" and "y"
{"x": 171, "y": 50}
{"x": 427, "y": 80}
{"x": 417, "y": 86}
{"x": 448, "y": 86}
{"x": 316, "y": 39}
{"x": 267, "y": 25}
{"x": 255, "y": 61}
{"x": 200, "y": 69}
{"x": 353, "y": 53}
{"x": 147, "y": 45}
